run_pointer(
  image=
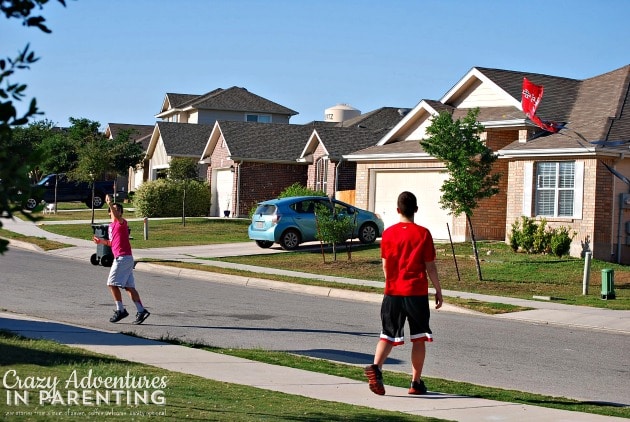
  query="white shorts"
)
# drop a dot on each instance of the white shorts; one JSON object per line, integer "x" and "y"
{"x": 121, "y": 273}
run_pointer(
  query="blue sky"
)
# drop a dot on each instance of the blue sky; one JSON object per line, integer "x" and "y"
{"x": 113, "y": 61}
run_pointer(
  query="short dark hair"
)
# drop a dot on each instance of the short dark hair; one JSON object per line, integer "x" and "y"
{"x": 407, "y": 204}
{"x": 118, "y": 207}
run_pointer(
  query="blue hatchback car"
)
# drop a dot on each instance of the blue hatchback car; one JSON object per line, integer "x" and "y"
{"x": 291, "y": 221}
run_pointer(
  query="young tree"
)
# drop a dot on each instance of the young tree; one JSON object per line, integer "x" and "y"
{"x": 183, "y": 170}
{"x": 99, "y": 156}
{"x": 16, "y": 163}
{"x": 469, "y": 163}
{"x": 332, "y": 227}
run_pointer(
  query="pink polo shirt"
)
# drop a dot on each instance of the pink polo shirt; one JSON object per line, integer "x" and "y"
{"x": 119, "y": 236}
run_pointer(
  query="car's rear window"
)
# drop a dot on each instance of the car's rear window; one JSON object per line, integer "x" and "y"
{"x": 265, "y": 209}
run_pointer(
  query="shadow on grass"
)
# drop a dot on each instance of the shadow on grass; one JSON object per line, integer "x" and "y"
{"x": 18, "y": 355}
{"x": 343, "y": 356}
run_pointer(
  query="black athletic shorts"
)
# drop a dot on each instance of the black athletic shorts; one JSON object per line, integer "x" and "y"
{"x": 396, "y": 309}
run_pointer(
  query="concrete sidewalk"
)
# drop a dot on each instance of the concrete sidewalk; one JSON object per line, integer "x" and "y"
{"x": 278, "y": 378}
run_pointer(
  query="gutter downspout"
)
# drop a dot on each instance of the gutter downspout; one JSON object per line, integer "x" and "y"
{"x": 238, "y": 189}
{"x": 337, "y": 176}
{"x": 620, "y": 210}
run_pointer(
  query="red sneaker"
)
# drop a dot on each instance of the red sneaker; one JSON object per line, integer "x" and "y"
{"x": 375, "y": 379}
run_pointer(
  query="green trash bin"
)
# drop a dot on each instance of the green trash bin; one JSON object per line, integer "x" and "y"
{"x": 608, "y": 284}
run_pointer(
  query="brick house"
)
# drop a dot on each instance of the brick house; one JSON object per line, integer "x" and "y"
{"x": 250, "y": 162}
{"x": 560, "y": 177}
{"x": 324, "y": 151}
{"x": 235, "y": 104}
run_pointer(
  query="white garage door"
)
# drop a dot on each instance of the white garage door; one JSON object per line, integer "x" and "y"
{"x": 221, "y": 192}
{"x": 426, "y": 186}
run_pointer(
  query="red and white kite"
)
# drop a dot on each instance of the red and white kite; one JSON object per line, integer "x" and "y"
{"x": 530, "y": 98}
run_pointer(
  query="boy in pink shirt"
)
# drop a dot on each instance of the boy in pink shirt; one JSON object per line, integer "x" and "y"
{"x": 121, "y": 272}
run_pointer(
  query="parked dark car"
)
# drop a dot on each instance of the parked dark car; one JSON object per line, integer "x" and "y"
{"x": 69, "y": 191}
{"x": 291, "y": 221}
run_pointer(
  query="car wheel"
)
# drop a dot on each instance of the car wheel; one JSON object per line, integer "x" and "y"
{"x": 290, "y": 239}
{"x": 264, "y": 243}
{"x": 107, "y": 260}
{"x": 94, "y": 259}
{"x": 31, "y": 203}
{"x": 368, "y": 233}
{"x": 98, "y": 202}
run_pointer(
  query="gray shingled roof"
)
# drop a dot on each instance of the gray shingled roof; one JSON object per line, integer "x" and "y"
{"x": 599, "y": 111}
{"x": 488, "y": 114}
{"x": 382, "y": 118}
{"x": 438, "y": 106}
{"x": 401, "y": 147}
{"x": 176, "y": 100}
{"x": 558, "y": 98}
{"x": 264, "y": 141}
{"x": 339, "y": 141}
{"x": 184, "y": 139}
{"x": 138, "y": 133}
{"x": 236, "y": 99}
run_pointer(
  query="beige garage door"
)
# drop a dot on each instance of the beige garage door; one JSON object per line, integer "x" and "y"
{"x": 426, "y": 186}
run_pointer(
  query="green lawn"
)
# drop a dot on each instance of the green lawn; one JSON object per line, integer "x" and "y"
{"x": 165, "y": 233}
{"x": 504, "y": 272}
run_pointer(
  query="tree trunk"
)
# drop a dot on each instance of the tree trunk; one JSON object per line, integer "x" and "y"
{"x": 474, "y": 242}
{"x": 92, "y": 201}
{"x": 184, "y": 207}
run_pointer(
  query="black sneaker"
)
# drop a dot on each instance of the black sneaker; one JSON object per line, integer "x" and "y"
{"x": 118, "y": 315}
{"x": 375, "y": 379}
{"x": 417, "y": 388}
{"x": 141, "y": 316}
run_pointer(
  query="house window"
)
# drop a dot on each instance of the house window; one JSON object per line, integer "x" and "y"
{"x": 555, "y": 189}
{"x": 258, "y": 118}
{"x": 321, "y": 174}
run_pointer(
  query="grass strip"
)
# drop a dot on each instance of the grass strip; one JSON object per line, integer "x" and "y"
{"x": 185, "y": 396}
{"x": 399, "y": 379}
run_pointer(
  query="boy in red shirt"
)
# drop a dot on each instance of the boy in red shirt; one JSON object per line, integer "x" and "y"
{"x": 121, "y": 273}
{"x": 408, "y": 256}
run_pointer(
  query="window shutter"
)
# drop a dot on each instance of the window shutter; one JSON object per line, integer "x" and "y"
{"x": 528, "y": 177}
{"x": 579, "y": 190}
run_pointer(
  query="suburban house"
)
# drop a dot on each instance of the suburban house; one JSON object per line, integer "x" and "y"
{"x": 170, "y": 140}
{"x": 235, "y": 104}
{"x": 137, "y": 133}
{"x": 250, "y": 162}
{"x": 327, "y": 145}
{"x": 561, "y": 177}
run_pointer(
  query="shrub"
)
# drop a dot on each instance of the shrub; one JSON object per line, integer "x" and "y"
{"x": 298, "y": 190}
{"x": 524, "y": 235}
{"x": 163, "y": 198}
{"x": 561, "y": 239}
{"x": 542, "y": 238}
{"x": 532, "y": 237}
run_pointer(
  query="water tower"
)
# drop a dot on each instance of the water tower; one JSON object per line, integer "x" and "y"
{"x": 340, "y": 112}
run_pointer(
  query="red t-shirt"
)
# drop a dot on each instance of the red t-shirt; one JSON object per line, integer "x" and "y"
{"x": 406, "y": 247}
{"x": 119, "y": 236}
